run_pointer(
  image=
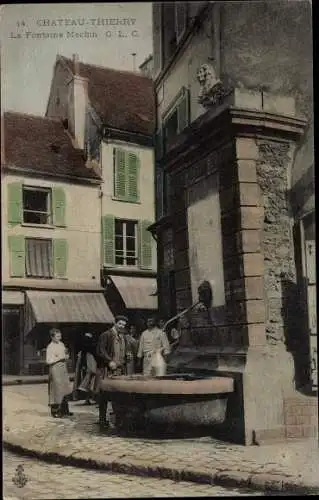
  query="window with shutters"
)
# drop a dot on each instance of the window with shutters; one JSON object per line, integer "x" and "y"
{"x": 176, "y": 119}
{"x": 37, "y": 205}
{"x": 126, "y": 175}
{"x": 38, "y": 258}
{"x": 126, "y": 248}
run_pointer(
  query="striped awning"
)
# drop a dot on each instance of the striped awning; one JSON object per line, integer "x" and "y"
{"x": 66, "y": 308}
{"x": 137, "y": 292}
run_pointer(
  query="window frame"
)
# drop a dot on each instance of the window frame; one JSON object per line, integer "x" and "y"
{"x": 174, "y": 107}
{"x": 51, "y": 263}
{"x": 124, "y": 236}
{"x": 49, "y": 198}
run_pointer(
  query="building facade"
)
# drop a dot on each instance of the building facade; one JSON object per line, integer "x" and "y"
{"x": 235, "y": 197}
{"x": 51, "y": 241}
{"x": 110, "y": 115}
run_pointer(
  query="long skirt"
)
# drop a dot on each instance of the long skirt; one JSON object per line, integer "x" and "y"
{"x": 59, "y": 383}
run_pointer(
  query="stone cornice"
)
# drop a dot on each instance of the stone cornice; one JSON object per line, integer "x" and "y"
{"x": 223, "y": 123}
{"x": 263, "y": 123}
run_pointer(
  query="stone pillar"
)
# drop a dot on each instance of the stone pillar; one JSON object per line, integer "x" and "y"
{"x": 262, "y": 193}
{"x": 250, "y": 151}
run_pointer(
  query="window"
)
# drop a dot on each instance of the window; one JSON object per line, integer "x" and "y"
{"x": 126, "y": 175}
{"x": 176, "y": 119}
{"x": 37, "y": 205}
{"x": 125, "y": 243}
{"x": 173, "y": 26}
{"x": 38, "y": 258}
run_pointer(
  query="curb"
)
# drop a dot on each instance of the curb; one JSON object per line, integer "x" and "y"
{"x": 42, "y": 379}
{"x": 228, "y": 479}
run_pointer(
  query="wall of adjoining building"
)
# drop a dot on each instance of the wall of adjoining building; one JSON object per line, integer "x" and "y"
{"x": 82, "y": 228}
{"x": 268, "y": 45}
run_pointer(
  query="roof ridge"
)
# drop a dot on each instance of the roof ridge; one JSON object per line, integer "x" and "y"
{"x": 126, "y": 71}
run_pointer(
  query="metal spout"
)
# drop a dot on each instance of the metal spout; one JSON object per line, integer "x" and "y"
{"x": 179, "y": 315}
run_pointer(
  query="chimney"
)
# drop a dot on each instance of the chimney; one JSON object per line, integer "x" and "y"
{"x": 134, "y": 60}
{"x": 77, "y": 104}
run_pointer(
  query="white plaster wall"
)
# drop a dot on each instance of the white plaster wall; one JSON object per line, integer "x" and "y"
{"x": 205, "y": 238}
{"x": 83, "y": 228}
{"x": 145, "y": 209}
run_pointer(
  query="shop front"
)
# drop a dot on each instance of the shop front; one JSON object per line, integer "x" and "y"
{"x": 134, "y": 296}
{"x": 29, "y": 315}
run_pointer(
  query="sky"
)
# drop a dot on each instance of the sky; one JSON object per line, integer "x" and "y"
{"x": 32, "y": 35}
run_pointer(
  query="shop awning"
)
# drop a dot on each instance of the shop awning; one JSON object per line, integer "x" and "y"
{"x": 137, "y": 292}
{"x": 66, "y": 308}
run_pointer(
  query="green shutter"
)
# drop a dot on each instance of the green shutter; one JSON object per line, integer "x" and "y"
{"x": 133, "y": 177}
{"x": 120, "y": 174}
{"x": 183, "y": 111}
{"x": 15, "y": 203}
{"x": 60, "y": 258}
{"x": 58, "y": 206}
{"x": 17, "y": 256}
{"x": 108, "y": 240}
{"x": 145, "y": 245}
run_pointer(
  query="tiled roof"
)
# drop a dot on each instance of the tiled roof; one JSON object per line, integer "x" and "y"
{"x": 124, "y": 100}
{"x": 42, "y": 145}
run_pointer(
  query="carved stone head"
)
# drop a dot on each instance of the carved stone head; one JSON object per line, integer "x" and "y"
{"x": 207, "y": 78}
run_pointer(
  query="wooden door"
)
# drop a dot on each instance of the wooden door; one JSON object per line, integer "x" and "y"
{"x": 310, "y": 258}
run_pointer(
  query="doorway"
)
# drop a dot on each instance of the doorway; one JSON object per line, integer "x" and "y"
{"x": 11, "y": 341}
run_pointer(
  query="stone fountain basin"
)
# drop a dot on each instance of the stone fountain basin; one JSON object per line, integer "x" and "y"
{"x": 176, "y": 398}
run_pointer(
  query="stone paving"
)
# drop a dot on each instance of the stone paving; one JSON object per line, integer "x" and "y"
{"x": 277, "y": 466}
{"x": 56, "y": 481}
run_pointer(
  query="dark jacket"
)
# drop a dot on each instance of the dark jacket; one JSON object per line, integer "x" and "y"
{"x": 105, "y": 348}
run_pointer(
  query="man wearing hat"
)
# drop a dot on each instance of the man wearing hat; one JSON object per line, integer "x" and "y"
{"x": 111, "y": 359}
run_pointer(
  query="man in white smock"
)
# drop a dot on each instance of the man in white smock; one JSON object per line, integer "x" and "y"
{"x": 152, "y": 340}
{"x": 59, "y": 382}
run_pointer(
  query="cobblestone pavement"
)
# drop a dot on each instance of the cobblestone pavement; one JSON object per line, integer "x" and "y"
{"x": 58, "y": 481}
{"x": 79, "y": 437}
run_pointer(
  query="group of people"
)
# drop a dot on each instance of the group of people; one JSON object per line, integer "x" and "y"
{"x": 118, "y": 351}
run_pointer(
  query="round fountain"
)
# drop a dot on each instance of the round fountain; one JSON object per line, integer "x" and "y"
{"x": 176, "y": 398}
